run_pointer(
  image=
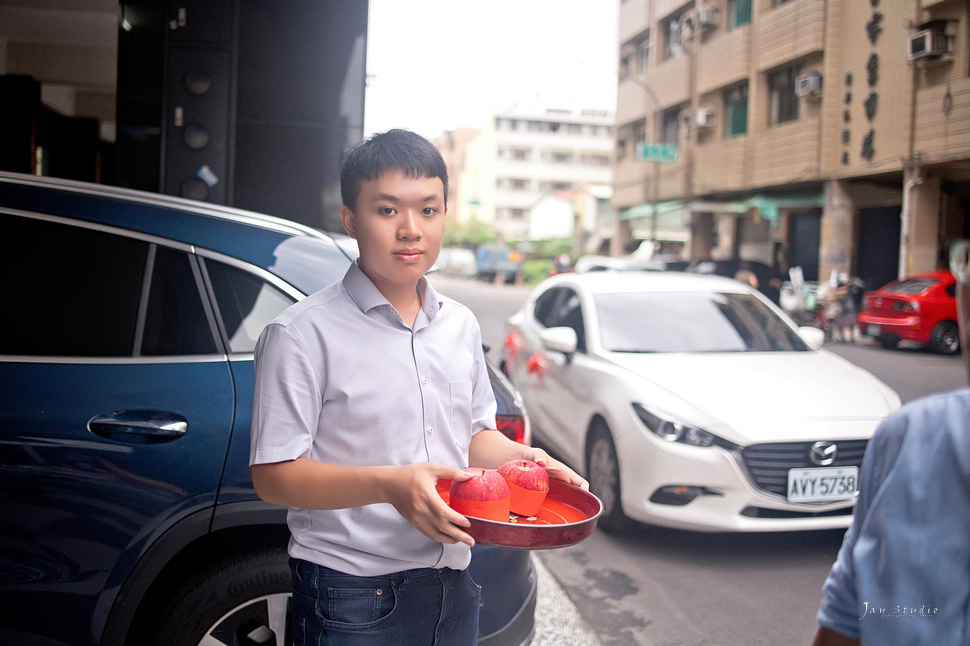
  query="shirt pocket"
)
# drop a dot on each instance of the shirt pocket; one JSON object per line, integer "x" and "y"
{"x": 460, "y": 415}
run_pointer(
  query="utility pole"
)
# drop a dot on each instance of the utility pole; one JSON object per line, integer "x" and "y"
{"x": 658, "y": 154}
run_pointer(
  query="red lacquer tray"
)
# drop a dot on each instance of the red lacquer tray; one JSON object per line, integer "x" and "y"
{"x": 567, "y": 517}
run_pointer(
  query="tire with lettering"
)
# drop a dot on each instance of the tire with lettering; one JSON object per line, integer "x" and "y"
{"x": 240, "y": 600}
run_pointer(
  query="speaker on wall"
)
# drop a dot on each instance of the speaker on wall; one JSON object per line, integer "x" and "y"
{"x": 198, "y": 107}
{"x": 254, "y": 106}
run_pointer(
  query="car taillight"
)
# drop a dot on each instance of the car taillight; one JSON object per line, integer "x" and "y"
{"x": 906, "y": 307}
{"x": 512, "y": 426}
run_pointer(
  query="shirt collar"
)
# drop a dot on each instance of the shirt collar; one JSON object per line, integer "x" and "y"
{"x": 366, "y": 295}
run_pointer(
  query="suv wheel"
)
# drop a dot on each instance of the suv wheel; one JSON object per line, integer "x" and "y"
{"x": 242, "y": 601}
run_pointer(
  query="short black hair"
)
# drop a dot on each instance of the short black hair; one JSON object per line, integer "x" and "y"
{"x": 395, "y": 149}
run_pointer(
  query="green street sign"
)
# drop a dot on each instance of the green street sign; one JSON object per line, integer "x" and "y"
{"x": 657, "y": 152}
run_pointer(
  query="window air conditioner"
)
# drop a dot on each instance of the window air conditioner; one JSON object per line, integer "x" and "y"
{"x": 808, "y": 85}
{"x": 707, "y": 17}
{"x": 929, "y": 43}
{"x": 704, "y": 118}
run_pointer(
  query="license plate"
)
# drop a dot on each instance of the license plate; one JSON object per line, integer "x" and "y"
{"x": 874, "y": 330}
{"x": 823, "y": 485}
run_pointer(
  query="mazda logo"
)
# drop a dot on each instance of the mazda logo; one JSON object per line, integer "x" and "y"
{"x": 823, "y": 453}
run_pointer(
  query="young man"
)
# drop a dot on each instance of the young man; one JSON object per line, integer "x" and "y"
{"x": 901, "y": 576}
{"x": 367, "y": 393}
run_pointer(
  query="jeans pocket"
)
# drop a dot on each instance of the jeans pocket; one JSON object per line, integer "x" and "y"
{"x": 470, "y": 582}
{"x": 361, "y": 605}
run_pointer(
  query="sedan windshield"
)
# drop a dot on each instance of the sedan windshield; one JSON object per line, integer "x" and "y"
{"x": 692, "y": 322}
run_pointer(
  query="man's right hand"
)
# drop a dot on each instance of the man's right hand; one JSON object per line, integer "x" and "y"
{"x": 412, "y": 491}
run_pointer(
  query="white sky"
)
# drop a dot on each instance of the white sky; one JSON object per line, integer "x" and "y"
{"x": 437, "y": 65}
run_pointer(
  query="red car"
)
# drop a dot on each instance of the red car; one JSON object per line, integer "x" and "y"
{"x": 921, "y": 308}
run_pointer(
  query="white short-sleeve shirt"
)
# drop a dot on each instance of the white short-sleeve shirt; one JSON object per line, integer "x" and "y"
{"x": 341, "y": 379}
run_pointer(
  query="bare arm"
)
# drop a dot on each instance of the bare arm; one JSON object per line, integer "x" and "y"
{"x": 829, "y": 637}
{"x": 310, "y": 484}
{"x": 491, "y": 449}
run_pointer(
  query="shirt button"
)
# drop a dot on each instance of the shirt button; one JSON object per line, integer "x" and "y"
{"x": 425, "y": 381}
{"x": 430, "y": 430}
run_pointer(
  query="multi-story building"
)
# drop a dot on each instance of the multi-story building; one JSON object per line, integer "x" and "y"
{"x": 825, "y": 134}
{"x": 524, "y": 156}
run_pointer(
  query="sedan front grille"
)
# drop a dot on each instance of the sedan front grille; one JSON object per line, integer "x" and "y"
{"x": 768, "y": 464}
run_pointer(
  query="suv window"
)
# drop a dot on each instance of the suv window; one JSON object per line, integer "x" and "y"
{"x": 72, "y": 291}
{"x": 176, "y": 323}
{"x": 246, "y": 303}
{"x": 78, "y": 293}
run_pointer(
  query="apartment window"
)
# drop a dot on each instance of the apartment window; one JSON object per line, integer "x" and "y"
{"x": 782, "y": 101}
{"x": 673, "y": 35}
{"x": 561, "y": 157}
{"x": 621, "y": 147}
{"x": 594, "y": 159}
{"x": 643, "y": 52}
{"x": 517, "y": 214}
{"x": 640, "y": 132}
{"x": 627, "y": 52}
{"x": 736, "y": 110}
{"x": 670, "y": 129}
{"x": 739, "y": 13}
{"x": 574, "y": 128}
{"x": 520, "y": 154}
{"x": 517, "y": 184}
{"x": 555, "y": 186}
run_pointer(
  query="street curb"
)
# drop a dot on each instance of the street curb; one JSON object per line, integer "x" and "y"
{"x": 558, "y": 622}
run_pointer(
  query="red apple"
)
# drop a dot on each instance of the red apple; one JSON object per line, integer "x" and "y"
{"x": 484, "y": 495}
{"x": 528, "y": 483}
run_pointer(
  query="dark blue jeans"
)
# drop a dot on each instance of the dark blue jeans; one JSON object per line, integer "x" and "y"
{"x": 425, "y": 607}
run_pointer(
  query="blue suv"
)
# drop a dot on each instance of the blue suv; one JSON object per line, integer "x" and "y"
{"x": 127, "y": 515}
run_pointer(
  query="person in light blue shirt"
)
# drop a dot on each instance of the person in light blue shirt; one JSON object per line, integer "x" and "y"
{"x": 366, "y": 394}
{"x": 902, "y": 575}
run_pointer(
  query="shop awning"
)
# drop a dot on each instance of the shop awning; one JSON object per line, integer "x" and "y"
{"x": 766, "y": 206}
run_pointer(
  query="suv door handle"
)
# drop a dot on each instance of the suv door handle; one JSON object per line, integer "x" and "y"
{"x": 139, "y": 425}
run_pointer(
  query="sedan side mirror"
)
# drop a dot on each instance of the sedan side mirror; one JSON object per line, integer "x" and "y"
{"x": 560, "y": 339}
{"x": 813, "y": 336}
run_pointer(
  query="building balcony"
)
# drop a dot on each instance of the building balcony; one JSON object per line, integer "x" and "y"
{"x": 633, "y": 18}
{"x": 942, "y": 123}
{"x": 789, "y": 32}
{"x": 634, "y": 182}
{"x": 666, "y": 7}
{"x": 724, "y": 60}
{"x": 720, "y": 165}
{"x": 670, "y": 81}
{"x": 785, "y": 153}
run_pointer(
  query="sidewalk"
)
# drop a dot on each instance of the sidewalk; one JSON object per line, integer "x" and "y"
{"x": 558, "y": 623}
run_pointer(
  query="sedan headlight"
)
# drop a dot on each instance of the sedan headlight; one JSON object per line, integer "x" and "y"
{"x": 674, "y": 431}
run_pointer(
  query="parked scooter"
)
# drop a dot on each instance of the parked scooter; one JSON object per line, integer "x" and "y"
{"x": 839, "y": 300}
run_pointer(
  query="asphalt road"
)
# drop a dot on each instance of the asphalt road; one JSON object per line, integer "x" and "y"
{"x": 662, "y": 587}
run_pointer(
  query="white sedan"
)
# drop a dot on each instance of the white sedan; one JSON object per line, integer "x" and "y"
{"x": 693, "y": 402}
